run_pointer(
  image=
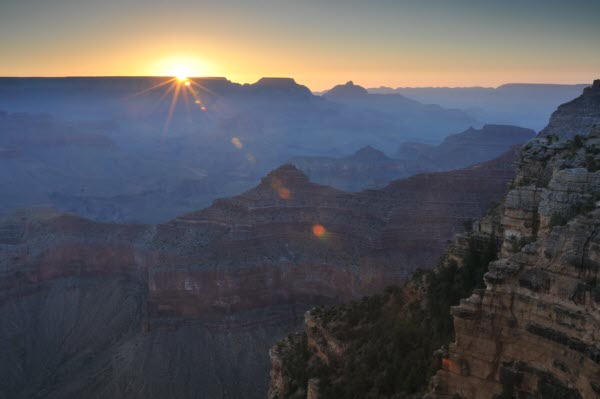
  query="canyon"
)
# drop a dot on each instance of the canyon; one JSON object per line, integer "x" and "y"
{"x": 113, "y": 150}
{"x": 511, "y": 310}
{"x": 190, "y": 307}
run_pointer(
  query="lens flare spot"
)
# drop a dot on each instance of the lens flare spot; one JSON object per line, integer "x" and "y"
{"x": 198, "y": 102}
{"x": 237, "y": 143}
{"x": 250, "y": 158}
{"x": 318, "y": 230}
{"x": 187, "y": 83}
{"x": 284, "y": 193}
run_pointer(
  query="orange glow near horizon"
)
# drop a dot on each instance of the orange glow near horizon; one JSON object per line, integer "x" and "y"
{"x": 318, "y": 75}
{"x": 401, "y": 45}
{"x": 181, "y": 67}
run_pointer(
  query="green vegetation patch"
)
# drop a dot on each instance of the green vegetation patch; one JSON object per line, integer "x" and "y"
{"x": 390, "y": 339}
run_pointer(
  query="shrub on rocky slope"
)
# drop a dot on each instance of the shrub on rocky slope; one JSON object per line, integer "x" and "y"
{"x": 381, "y": 346}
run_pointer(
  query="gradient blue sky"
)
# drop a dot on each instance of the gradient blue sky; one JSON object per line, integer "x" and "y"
{"x": 320, "y": 43}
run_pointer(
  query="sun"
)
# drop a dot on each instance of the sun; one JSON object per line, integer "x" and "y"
{"x": 181, "y": 83}
{"x": 181, "y": 67}
{"x": 181, "y": 73}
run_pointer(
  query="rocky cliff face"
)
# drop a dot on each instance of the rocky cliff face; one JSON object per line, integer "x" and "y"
{"x": 577, "y": 116}
{"x": 533, "y": 330}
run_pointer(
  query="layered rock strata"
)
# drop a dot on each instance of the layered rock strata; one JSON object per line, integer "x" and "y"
{"x": 189, "y": 308}
{"x": 533, "y": 331}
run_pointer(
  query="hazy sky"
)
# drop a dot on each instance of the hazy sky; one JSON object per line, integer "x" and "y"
{"x": 319, "y": 43}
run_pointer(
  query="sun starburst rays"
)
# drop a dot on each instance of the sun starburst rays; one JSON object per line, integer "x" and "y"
{"x": 178, "y": 88}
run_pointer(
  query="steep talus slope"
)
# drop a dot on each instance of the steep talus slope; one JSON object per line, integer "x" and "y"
{"x": 528, "y": 327}
{"x": 74, "y": 298}
{"x": 189, "y": 308}
{"x": 69, "y": 289}
{"x": 56, "y": 333}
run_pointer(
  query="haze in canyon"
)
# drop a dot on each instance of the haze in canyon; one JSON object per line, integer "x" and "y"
{"x": 299, "y": 200}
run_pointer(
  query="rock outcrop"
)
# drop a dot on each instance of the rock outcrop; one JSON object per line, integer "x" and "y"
{"x": 577, "y": 116}
{"x": 533, "y": 330}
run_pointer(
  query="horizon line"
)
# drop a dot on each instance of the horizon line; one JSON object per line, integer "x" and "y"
{"x": 288, "y": 77}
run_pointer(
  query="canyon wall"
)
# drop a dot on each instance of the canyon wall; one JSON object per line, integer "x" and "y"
{"x": 533, "y": 329}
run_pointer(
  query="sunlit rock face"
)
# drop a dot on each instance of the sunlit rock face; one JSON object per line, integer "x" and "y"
{"x": 190, "y": 307}
{"x": 533, "y": 331}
